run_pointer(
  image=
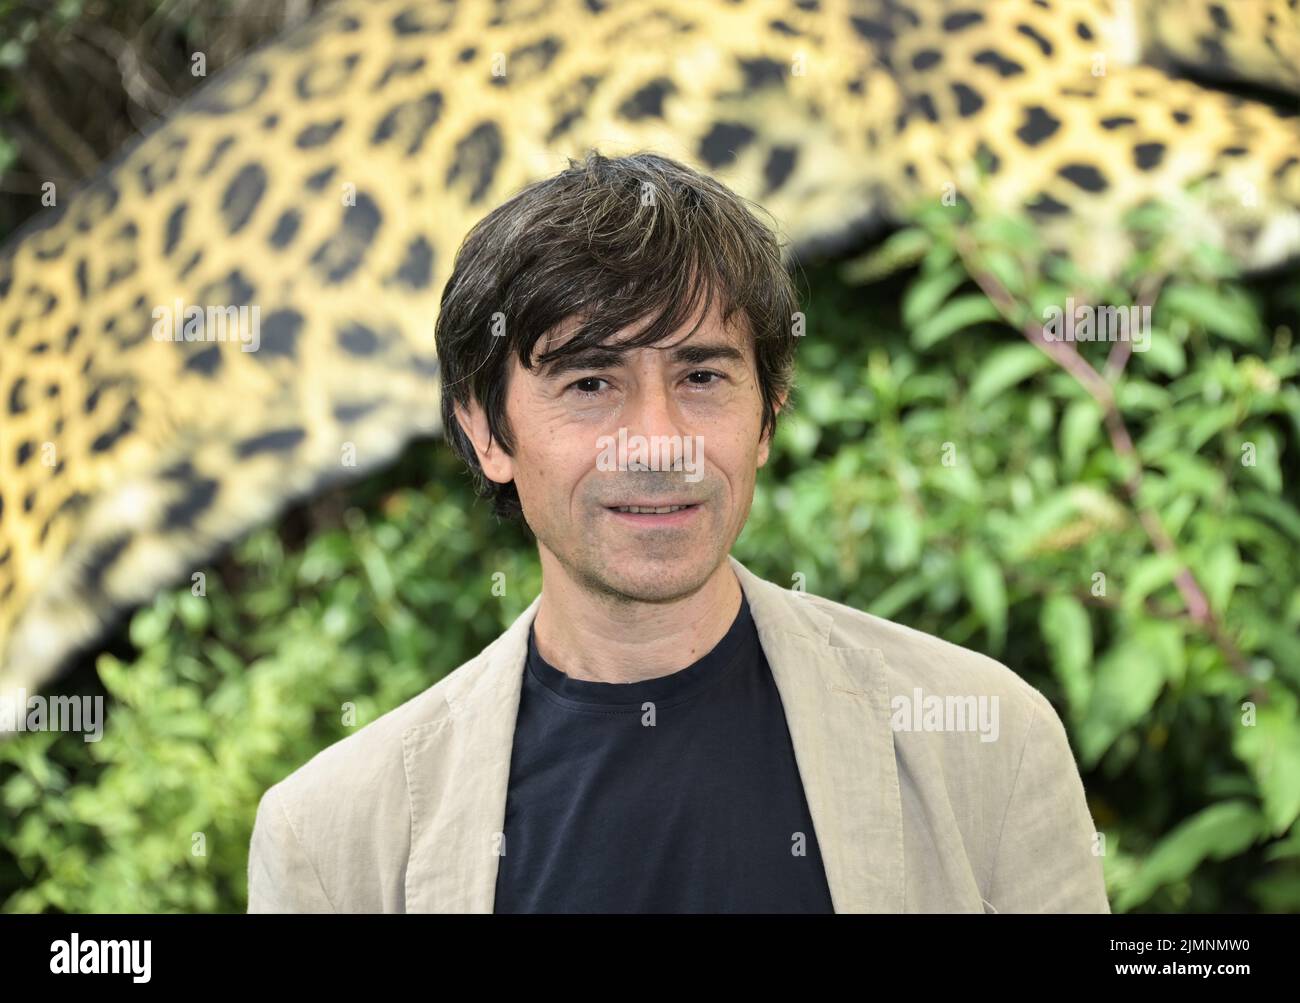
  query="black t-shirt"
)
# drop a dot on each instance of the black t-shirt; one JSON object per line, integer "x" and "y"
{"x": 701, "y": 811}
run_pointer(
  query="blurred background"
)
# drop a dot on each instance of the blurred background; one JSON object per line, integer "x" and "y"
{"x": 965, "y": 486}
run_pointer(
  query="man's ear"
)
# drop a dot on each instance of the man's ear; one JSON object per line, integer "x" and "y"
{"x": 765, "y": 446}
{"x": 497, "y": 466}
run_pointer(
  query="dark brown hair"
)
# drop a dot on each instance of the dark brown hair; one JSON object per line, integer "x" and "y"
{"x": 611, "y": 241}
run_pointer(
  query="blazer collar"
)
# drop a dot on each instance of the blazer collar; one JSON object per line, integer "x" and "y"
{"x": 836, "y": 707}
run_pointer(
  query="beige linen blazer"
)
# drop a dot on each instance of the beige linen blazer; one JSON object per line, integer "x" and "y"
{"x": 406, "y": 814}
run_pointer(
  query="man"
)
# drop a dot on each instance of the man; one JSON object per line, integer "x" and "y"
{"x": 662, "y": 730}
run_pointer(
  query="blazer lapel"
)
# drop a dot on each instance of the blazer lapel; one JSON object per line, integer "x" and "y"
{"x": 836, "y": 707}
{"x": 457, "y": 774}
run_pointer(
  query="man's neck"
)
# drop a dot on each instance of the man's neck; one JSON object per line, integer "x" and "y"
{"x": 592, "y": 637}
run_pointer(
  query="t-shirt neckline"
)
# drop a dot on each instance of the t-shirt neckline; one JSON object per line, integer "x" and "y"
{"x": 675, "y": 687}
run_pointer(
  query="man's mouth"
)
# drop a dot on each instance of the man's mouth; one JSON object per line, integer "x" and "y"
{"x": 651, "y": 509}
{"x": 662, "y": 516}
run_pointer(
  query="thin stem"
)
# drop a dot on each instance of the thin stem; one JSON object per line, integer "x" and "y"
{"x": 1101, "y": 391}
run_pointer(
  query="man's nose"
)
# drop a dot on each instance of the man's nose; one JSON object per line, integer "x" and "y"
{"x": 653, "y": 411}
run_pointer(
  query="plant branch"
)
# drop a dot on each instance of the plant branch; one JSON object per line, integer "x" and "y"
{"x": 1102, "y": 391}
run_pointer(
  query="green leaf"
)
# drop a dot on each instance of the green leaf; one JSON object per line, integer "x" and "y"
{"x": 899, "y": 251}
{"x": 963, "y": 311}
{"x": 1006, "y": 268}
{"x": 1005, "y": 368}
{"x": 1217, "y": 832}
{"x": 1165, "y": 354}
{"x": 1148, "y": 575}
{"x": 901, "y": 530}
{"x": 1282, "y": 515}
{"x": 1287, "y": 849}
{"x": 1128, "y": 679}
{"x": 987, "y": 592}
{"x": 927, "y": 293}
{"x": 1261, "y": 459}
{"x": 1271, "y": 748}
{"x": 1218, "y": 572}
{"x": 799, "y": 435}
{"x": 1080, "y": 428}
{"x": 1224, "y": 311}
{"x": 1068, "y": 632}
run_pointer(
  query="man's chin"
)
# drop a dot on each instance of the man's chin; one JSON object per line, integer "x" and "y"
{"x": 657, "y": 579}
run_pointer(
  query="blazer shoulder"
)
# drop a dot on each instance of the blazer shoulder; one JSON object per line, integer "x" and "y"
{"x": 361, "y": 768}
{"x": 334, "y": 835}
{"x": 914, "y": 658}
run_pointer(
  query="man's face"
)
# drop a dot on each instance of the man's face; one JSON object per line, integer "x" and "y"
{"x": 697, "y": 408}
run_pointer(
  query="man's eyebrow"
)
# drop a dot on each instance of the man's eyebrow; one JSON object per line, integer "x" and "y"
{"x": 598, "y": 357}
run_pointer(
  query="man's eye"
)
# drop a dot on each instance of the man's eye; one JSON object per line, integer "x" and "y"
{"x": 577, "y": 384}
{"x": 706, "y": 372}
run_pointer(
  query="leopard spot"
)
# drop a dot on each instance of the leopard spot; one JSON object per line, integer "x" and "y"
{"x": 1084, "y": 176}
{"x": 153, "y": 174}
{"x": 648, "y": 100}
{"x": 279, "y": 334}
{"x": 962, "y": 19}
{"x": 926, "y": 58}
{"x": 413, "y": 118}
{"x": 1044, "y": 46}
{"x": 357, "y": 339}
{"x": 219, "y": 150}
{"x": 242, "y": 196}
{"x": 198, "y": 497}
{"x": 416, "y": 269}
{"x": 317, "y": 181}
{"x": 397, "y": 69}
{"x": 227, "y": 95}
{"x": 327, "y": 79}
{"x": 1147, "y": 156}
{"x": 968, "y": 101}
{"x": 425, "y": 19}
{"x": 18, "y": 396}
{"x": 923, "y": 103}
{"x": 1000, "y": 64}
{"x": 317, "y": 134}
{"x": 231, "y": 290}
{"x": 347, "y": 413}
{"x": 101, "y": 558}
{"x": 340, "y": 254}
{"x": 778, "y": 167}
{"x": 125, "y": 424}
{"x": 723, "y": 142}
{"x": 279, "y": 441}
{"x": 476, "y": 159}
{"x": 205, "y": 362}
{"x": 1045, "y": 205}
{"x": 1038, "y": 127}
{"x": 174, "y": 227}
{"x": 286, "y": 227}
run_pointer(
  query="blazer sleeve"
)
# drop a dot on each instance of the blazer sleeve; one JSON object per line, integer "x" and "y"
{"x": 281, "y": 877}
{"x": 1045, "y": 860}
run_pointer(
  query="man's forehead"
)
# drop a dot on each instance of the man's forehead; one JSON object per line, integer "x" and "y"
{"x": 711, "y": 328}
